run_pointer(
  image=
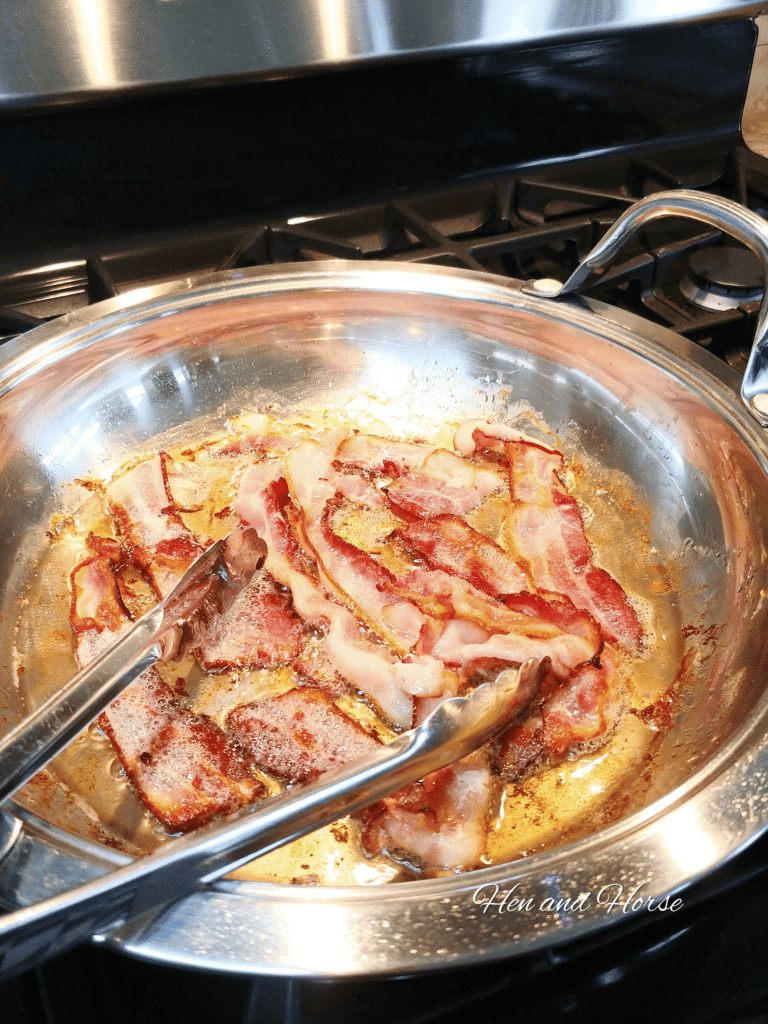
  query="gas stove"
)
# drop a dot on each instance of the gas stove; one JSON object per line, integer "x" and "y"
{"x": 513, "y": 163}
{"x": 525, "y": 226}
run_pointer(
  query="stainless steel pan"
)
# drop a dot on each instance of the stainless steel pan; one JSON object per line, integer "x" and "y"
{"x": 416, "y": 343}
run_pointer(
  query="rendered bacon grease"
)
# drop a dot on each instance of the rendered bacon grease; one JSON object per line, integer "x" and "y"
{"x": 398, "y": 572}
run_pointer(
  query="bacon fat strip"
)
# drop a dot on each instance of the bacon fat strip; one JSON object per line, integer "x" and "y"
{"x": 262, "y": 502}
{"x": 546, "y": 530}
{"x": 183, "y": 767}
{"x": 145, "y": 515}
{"x": 299, "y": 734}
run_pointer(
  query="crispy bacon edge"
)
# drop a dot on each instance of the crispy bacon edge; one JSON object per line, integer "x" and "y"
{"x": 147, "y": 519}
{"x": 300, "y": 734}
{"x": 183, "y": 767}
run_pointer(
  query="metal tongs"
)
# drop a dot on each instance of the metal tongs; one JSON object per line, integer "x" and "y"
{"x": 453, "y": 730}
{"x": 209, "y": 586}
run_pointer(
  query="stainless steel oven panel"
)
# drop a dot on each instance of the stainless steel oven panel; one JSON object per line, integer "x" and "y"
{"x": 88, "y": 48}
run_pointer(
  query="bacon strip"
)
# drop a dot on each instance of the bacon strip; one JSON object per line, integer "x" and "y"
{"x": 182, "y": 765}
{"x": 444, "y": 483}
{"x": 370, "y": 453}
{"x": 586, "y": 709}
{"x": 479, "y": 570}
{"x": 574, "y": 713}
{"x": 147, "y": 519}
{"x": 532, "y": 628}
{"x": 96, "y": 606}
{"x": 441, "y": 820}
{"x": 354, "y": 575}
{"x": 448, "y": 542}
{"x": 263, "y": 502}
{"x": 546, "y": 528}
{"x": 299, "y": 734}
{"x": 260, "y": 439}
{"x": 428, "y": 480}
{"x": 259, "y": 629}
{"x": 546, "y": 531}
{"x": 457, "y": 646}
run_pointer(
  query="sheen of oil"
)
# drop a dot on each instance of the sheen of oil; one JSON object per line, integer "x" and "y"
{"x": 537, "y": 813}
{"x": 571, "y": 799}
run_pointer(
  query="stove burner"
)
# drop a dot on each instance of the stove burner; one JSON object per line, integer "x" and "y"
{"x": 722, "y": 278}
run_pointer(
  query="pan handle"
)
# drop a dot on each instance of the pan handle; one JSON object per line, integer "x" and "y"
{"x": 724, "y": 214}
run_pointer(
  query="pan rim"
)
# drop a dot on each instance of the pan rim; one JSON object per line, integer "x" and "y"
{"x": 695, "y": 367}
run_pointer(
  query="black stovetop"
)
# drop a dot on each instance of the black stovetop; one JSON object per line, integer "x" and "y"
{"x": 703, "y": 964}
{"x": 526, "y": 224}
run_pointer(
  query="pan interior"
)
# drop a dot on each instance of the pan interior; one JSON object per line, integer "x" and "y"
{"x": 684, "y": 475}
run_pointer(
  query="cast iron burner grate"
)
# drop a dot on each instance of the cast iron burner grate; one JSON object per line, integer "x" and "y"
{"x": 518, "y": 226}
